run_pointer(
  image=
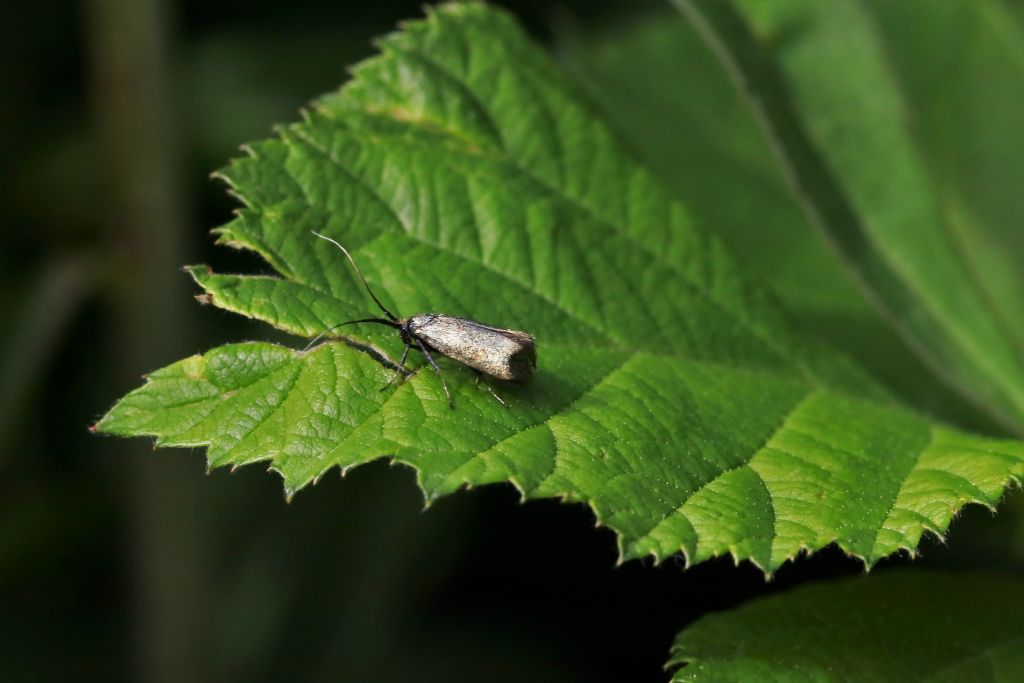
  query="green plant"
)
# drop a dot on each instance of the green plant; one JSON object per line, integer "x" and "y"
{"x": 676, "y": 395}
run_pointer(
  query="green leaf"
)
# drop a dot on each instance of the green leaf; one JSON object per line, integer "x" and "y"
{"x": 899, "y": 626}
{"x": 468, "y": 176}
{"x": 961, "y": 69}
{"x": 817, "y": 78}
{"x": 704, "y": 142}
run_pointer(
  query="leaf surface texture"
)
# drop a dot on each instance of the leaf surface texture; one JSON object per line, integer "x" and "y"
{"x": 467, "y": 175}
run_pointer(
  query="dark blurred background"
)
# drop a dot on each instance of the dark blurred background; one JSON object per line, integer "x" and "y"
{"x": 121, "y": 563}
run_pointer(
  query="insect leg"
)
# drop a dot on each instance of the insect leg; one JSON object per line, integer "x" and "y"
{"x": 480, "y": 378}
{"x": 398, "y": 372}
{"x": 423, "y": 347}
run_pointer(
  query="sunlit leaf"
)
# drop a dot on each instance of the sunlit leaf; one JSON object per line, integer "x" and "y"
{"x": 468, "y": 176}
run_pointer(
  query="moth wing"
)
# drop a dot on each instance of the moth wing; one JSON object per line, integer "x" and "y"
{"x": 521, "y": 336}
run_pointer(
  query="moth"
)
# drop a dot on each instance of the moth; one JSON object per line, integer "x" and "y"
{"x": 507, "y": 355}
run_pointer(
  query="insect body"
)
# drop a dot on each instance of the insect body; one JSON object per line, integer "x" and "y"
{"x": 508, "y": 355}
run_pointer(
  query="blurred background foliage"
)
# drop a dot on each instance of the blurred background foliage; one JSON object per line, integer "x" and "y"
{"x": 120, "y": 564}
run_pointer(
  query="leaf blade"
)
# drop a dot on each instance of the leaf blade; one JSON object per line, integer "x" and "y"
{"x": 859, "y": 635}
{"x": 703, "y": 140}
{"x": 670, "y": 389}
{"x": 888, "y": 225}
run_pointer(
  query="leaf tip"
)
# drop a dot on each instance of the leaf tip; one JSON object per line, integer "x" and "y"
{"x": 197, "y": 272}
{"x": 248, "y": 150}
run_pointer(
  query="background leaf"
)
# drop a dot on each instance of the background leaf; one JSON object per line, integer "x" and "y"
{"x": 702, "y": 139}
{"x": 897, "y": 626}
{"x": 960, "y": 71}
{"x": 818, "y": 80}
{"x": 468, "y": 176}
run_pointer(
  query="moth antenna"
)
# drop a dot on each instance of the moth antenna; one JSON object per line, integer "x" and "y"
{"x": 379, "y": 321}
{"x": 391, "y": 316}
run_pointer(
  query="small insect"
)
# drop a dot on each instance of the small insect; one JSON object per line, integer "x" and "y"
{"x": 508, "y": 355}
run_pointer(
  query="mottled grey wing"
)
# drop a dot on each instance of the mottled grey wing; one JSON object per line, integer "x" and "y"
{"x": 508, "y": 355}
{"x": 518, "y": 333}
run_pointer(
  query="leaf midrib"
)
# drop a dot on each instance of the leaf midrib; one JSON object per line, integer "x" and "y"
{"x": 900, "y": 93}
{"x": 699, "y": 12}
{"x": 965, "y": 342}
